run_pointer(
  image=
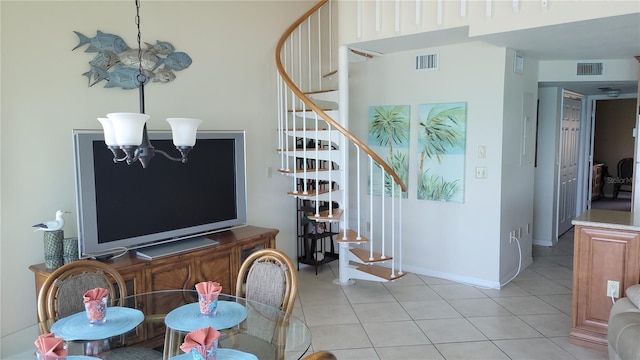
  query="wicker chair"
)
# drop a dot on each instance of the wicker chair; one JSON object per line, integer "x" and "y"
{"x": 61, "y": 296}
{"x": 320, "y": 355}
{"x": 268, "y": 276}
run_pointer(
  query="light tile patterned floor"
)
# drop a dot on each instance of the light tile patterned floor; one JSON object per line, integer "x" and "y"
{"x": 419, "y": 317}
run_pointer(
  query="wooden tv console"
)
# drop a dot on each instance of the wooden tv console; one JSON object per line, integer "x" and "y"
{"x": 220, "y": 262}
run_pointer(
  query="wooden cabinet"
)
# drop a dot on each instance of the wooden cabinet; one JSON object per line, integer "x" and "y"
{"x": 600, "y": 254}
{"x": 219, "y": 263}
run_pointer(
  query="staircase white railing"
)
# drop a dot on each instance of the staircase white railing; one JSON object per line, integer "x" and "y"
{"x": 309, "y": 112}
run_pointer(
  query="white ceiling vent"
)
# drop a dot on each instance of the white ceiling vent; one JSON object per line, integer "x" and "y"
{"x": 427, "y": 62}
{"x": 594, "y": 68}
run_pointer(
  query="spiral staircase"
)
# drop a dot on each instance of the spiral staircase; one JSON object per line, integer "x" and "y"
{"x": 346, "y": 182}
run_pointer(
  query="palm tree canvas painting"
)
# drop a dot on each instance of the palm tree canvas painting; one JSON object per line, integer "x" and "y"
{"x": 441, "y": 149}
{"x": 389, "y": 138}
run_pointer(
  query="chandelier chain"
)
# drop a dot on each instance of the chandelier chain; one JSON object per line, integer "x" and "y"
{"x": 141, "y": 77}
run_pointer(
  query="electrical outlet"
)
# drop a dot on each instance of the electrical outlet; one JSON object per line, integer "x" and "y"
{"x": 613, "y": 288}
{"x": 519, "y": 233}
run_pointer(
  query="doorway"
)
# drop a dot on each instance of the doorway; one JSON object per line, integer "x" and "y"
{"x": 613, "y": 140}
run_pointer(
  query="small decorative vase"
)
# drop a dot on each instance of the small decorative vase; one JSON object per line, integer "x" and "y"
{"x": 70, "y": 249}
{"x": 53, "y": 258}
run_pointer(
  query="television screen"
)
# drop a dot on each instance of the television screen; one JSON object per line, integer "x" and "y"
{"x": 127, "y": 206}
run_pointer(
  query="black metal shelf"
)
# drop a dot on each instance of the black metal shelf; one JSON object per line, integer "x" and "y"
{"x": 314, "y": 249}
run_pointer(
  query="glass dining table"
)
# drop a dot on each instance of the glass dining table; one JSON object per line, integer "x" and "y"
{"x": 160, "y": 320}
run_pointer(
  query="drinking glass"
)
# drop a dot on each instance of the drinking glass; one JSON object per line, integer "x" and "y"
{"x": 96, "y": 310}
{"x": 208, "y": 304}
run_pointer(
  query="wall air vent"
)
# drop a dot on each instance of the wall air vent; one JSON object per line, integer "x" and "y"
{"x": 427, "y": 62}
{"x": 589, "y": 68}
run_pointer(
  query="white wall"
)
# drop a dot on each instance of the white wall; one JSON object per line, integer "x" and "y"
{"x": 450, "y": 240}
{"x": 44, "y": 96}
{"x": 518, "y": 156}
{"x": 546, "y": 171}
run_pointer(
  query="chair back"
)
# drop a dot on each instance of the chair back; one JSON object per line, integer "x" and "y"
{"x": 268, "y": 276}
{"x": 625, "y": 169}
{"x": 61, "y": 293}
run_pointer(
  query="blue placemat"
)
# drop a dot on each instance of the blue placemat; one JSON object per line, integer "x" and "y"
{"x": 77, "y": 327}
{"x": 188, "y": 317}
{"x": 223, "y": 354}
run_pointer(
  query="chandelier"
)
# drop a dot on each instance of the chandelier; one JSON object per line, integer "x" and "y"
{"x": 126, "y": 135}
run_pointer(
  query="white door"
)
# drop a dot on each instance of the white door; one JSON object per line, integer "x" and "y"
{"x": 569, "y": 137}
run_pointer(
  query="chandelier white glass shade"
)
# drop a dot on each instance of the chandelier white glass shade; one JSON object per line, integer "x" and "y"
{"x": 184, "y": 131}
{"x": 125, "y": 134}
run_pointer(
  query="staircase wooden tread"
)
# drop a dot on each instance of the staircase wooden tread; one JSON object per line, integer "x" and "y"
{"x": 310, "y": 170}
{"x": 307, "y": 129}
{"x": 319, "y": 91}
{"x": 324, "y": 215}
{"x": 299, "y": 171}
{"x": 310, "y": 192}
{"x": 352, "y": 237}
{"x": 308, "y": 149}
{"x": 363, "y": 254}
{"x": 361, "y": 53}
{"x": 330, "y": 73}
{"x": 381, "y": 272}
{"x": 309, "y": 110}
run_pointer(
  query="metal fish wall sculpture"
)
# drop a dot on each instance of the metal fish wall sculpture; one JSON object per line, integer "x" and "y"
{"x": 119, "y": 64}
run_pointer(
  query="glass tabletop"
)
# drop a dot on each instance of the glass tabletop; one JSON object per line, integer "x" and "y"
{"x": 245, "y": 327}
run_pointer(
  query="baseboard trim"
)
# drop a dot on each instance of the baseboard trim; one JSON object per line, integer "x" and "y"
{"x": 467, "y": 280}
{"x": 542, "y": 242}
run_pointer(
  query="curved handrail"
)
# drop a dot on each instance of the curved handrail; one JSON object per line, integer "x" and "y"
{"x": 319, "y": 111}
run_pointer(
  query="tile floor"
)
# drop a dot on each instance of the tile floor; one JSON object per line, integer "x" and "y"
{"x": 420, "y": 317}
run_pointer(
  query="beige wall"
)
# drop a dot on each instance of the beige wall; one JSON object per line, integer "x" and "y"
{"x": 230, "y": 85}
{"x": 613, "y": 139}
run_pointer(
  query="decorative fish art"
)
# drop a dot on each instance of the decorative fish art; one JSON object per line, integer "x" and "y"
{"x": 118, "y": 64}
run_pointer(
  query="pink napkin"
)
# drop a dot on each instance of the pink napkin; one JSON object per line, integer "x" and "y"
{"x": 95, "y": 294}
{"x": 201, "y": 339}
{"x": 49, "y": 345}
{"x": 208, "y": 287}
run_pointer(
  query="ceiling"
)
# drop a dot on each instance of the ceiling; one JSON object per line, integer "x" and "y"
{"x": 615, "y": 37}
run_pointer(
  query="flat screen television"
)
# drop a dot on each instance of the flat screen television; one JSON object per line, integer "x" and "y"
{"x": 166, "y": 207}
